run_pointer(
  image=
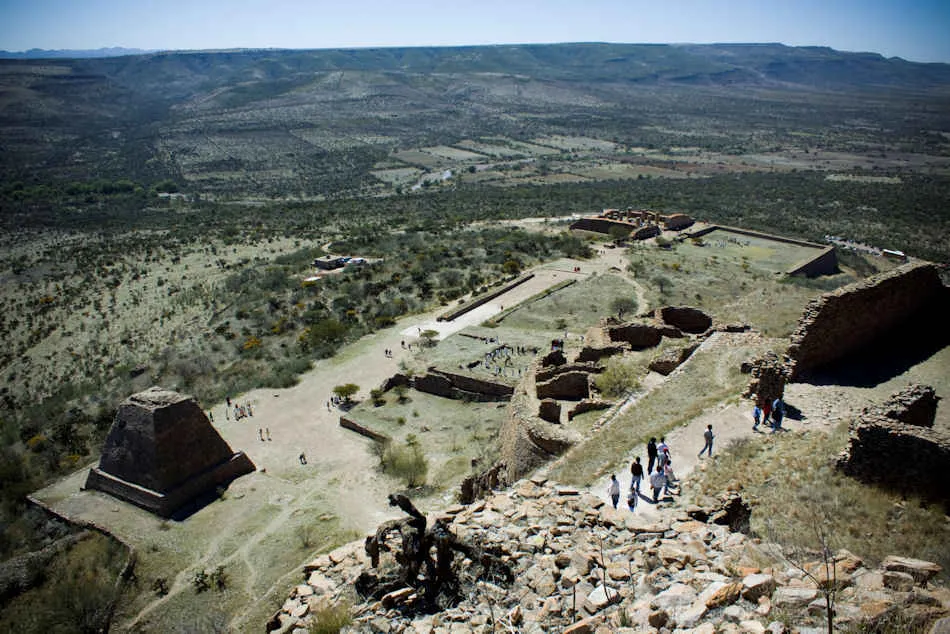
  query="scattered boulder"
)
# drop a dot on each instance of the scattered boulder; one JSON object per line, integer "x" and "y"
{"x": 921, "y": 571}
{"x": 733, "y": 512}
{"x": 672, "y": 574}
{"x": 757, "y": 585}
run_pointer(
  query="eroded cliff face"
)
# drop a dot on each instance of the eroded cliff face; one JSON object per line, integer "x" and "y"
{"x": 843, "y": 321}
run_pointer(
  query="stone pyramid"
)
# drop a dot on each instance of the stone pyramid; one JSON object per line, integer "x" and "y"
{"x": 162, "y": 453}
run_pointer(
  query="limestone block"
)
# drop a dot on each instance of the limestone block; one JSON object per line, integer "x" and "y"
{"x": 757, "y": 585}
{"x": 921, "y": 571}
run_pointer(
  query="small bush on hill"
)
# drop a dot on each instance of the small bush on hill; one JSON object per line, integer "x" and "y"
{"x": 406, "y": 461}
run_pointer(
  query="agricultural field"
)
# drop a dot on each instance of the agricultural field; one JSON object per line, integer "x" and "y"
{"x": 159, "y": 214}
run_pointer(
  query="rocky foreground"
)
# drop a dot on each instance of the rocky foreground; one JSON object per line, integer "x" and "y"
{"x": 580, "y": 566}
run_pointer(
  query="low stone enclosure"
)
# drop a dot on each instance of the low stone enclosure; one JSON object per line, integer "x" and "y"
{"x": 844, "y": 321}
{"x": 531, "y": 435}
{"x": 896, "y": 446}
{"x": 483, "y": 299}
{"x": 162, "y": 454}
{"x": 825, "y": 262}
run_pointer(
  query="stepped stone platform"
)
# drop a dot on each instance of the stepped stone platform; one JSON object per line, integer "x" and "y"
{"x": 162, "y": 453}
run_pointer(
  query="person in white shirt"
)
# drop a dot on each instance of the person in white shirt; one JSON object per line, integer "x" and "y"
{"x": 658, "y": 482}
{"x": 614, "y": 490}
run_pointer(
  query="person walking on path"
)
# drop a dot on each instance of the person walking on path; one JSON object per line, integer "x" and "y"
{"x": 632, "y": 496}
{"x": 636, "y": 475}
{"x": 664, "y": 451}
{"x": 766, "y": 411}
{"x": 651, "y": 455}
{"x": 708, "y": 435}
{"x": 614, "y": 490}
{"x": 778, "y": 412}
{"x": 671, "y": 481}
{"x": 756, "y": 417}
{"x": 658, "y": 482}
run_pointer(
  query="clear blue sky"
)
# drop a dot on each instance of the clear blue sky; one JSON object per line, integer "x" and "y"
{"x": 918, "y": 30}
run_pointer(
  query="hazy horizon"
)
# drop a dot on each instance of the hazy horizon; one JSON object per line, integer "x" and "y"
{"x": 912, "y": 30}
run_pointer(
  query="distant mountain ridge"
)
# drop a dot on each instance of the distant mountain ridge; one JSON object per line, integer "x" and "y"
{"x": 67, "y": 53}
{"x": 727, "y": 64}
{"x": 325, "y": 112}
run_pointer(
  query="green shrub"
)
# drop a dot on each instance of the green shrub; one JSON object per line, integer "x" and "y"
{"x": 406, "y": 461}
{"x": 620, "y": 378}
{"x": 330, "y": 618}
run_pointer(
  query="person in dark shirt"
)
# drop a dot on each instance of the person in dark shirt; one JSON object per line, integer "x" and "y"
{"x": 636, "y": 473}
{"x": 651, "y": 455}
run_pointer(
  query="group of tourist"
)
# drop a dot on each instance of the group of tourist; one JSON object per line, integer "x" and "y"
{"x": 662, "y": 480}
{"x": 771, "y": 413}
{"x": 240, "y": 411}
{"x": 499, "y": 360}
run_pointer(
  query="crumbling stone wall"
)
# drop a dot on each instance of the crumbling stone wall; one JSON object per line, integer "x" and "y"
{"x": 843, "y": 321}
{"x": 546, "y": 374}
{"x": 527, "y": 442}
{"x": 908, "y": 458}
{"x": 895, "y": 445}
{"x": 550, "y": 410}
{"x": 671, "y": 359}
{"x": 769, "y": 375}
{"x": 914, "y": 405}
{"x": 459, "y": 386}
{"x": 640, "y": 336}
{"x": 569, "y": 386}
{"x": 686, "y": 318}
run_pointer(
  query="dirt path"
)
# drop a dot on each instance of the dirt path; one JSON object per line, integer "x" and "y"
{"x": 262, "y": 509}
{"x": 821, "y": 407}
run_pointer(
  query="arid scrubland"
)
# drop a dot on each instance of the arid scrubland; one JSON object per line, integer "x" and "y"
{"x": 159, "y": 216}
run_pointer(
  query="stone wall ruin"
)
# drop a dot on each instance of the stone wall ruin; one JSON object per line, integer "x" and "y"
{"x": 913, "y": 458}
{"x": 843, "y": 321}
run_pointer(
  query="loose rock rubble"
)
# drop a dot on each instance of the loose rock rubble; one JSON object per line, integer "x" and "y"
{"x": 582, "y": 567}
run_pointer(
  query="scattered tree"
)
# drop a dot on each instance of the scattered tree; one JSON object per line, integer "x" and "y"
{"x": 346, "y": 391}
{"x": 623, "y": 305}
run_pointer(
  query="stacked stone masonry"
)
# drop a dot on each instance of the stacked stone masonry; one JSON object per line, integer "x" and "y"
{"x": 162, "y": 453}
{"x": 674, "y": 573}
{"x": 843, "y": 321}
{"x": 880, "y": 437}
